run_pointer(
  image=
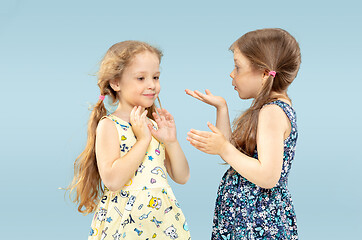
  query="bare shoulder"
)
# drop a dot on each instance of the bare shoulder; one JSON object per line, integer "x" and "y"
{"x": 272, "y": 115}
{"x": 105, "y": 127}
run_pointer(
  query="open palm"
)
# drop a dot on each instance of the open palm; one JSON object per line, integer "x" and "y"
{"x": 166, "y": 131}
{"x": 208, "y": 98}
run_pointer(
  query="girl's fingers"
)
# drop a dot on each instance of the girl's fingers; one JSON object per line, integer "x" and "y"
{"x": 162, "y": 115}
{"x": 200, "y": 94}
{"x": 201, "y": 133}
{"x": 131, "y": 116}
{"x": 196, "y": 137}
{"x": 143, "y": 115}
{"x": 138, "y": 111}
{"x": 213, "y": 128}
{"x": 196, "y": 143}
{"x": 207, "y": 91}
{"x": 199, "y": 148}
{"x": 155, "y": 115}
{"x": 192, "y": 94}
{"x": 169, "y": 115}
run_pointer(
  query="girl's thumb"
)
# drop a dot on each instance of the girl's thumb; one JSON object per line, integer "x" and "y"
{"x": 212, "y": 127}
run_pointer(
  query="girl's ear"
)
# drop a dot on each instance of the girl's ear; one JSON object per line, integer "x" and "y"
{"x": 115, "y": 84}
{"x": 265, "y": 75}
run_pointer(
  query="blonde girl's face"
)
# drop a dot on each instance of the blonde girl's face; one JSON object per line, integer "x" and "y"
{"x": 139, "y": 84}
{"x": 246, "y": 80}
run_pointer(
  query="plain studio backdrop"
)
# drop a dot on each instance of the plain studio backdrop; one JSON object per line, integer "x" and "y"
{"x": 49, "y": 54}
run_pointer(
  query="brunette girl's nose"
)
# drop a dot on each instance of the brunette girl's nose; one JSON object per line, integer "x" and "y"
{"x": 232, "y": 74}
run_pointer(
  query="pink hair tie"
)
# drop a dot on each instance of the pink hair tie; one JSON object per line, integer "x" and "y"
{"x": 101, "y": 97}
{"x": 273, "y": 73}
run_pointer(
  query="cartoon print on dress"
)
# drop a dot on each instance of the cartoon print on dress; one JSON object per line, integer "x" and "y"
{"x": 156, "y": 170}
{"x": 123, "y": 147}
{"x": 116, "y": 235}
{"x": 168, "y": 209}
{"x": 155, "y": 203}
{"x": 144, "y": 216}
{"x": 156, "y": 221}
{"x": 101, "y": 216}
{"x": 124, "y": 194}
{"x": 123, "y": 126}
{"x": 171, "y": 232}
{"x": 128, "y": 221}
{"x": 140, "y": 206}
{"x": 186, "y": 227}
{"x": 130, "y": 203}
{"x": 150, "y": 158}
{"x": 139, "y": 232}
{"x": 157, "y": 151}
{"x": 104, "y": 234}
{"x": 176, "y": 203}
{"x": 119, "y": 212}
{"x": 129, "y": 183}
{"x": 123, "y": 138}
{"x": 177, "y": 216}
{"x": 139, "y": 170}
{"x": 152, "y": 181}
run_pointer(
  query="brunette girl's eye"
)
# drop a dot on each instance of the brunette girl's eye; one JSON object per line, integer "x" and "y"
{"x": 156, "y": 78}
{"x": 141, "y": 78}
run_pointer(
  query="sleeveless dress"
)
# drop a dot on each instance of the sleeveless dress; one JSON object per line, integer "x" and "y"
{"x": 145, "y": 208}
{"x": 244, "y": 210}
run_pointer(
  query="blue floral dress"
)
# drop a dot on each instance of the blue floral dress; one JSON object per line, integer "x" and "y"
{"x": 246, "y": 211}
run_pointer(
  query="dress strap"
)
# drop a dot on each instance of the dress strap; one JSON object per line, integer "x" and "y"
{"x": 119, "y": 124}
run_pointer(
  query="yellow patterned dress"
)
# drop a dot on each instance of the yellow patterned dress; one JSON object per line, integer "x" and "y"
{"x": 145, "y": 208}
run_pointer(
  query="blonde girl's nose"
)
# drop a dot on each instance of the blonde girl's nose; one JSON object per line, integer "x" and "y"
{"x": 151, "y": 83}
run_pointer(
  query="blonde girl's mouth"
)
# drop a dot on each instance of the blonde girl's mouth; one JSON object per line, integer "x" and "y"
{"x": 150, "y": 95}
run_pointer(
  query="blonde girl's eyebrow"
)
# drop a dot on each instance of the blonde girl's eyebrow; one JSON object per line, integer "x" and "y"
{"x": 145, "y": 72}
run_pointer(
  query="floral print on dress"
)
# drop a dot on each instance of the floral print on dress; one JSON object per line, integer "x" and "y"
{"x": 245, "y": 211}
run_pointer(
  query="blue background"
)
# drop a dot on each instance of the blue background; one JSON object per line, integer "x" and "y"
{"x": 50, "y": 51}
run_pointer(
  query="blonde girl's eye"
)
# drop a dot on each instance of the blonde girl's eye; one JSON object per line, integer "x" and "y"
{"x": 140, "y": 78}
{"x": 156, "y": 78}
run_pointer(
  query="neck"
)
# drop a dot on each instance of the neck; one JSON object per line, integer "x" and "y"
{"x": 281, "y": 96}
{"x": 124, "y": 110}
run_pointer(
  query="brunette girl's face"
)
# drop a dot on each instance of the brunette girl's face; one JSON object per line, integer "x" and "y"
{"x": 139, "y": 84}
{"x": 247, "y": 81}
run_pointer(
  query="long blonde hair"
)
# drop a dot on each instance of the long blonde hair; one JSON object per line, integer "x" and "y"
{"x": 87, "y": 182}
{"x": 271, "y": 49}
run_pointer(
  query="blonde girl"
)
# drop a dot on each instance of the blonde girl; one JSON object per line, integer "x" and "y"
{"x": 253, "y": 200}
{"x": 122, "y": 173}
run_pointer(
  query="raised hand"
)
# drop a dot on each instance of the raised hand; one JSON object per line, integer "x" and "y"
{"x": 166, "y": 131}
{"x": 139, "y": 124}
{"x": 208, "y": 98}
{"x": 207, "y": 142}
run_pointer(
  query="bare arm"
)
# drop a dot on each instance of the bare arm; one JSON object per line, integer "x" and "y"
{"x": 222, "y": 112}
{"x": 116, "y": 171}
{"x": 175, "y": 162}
{"x": 223, "y": 121}
{"x": 265, "y": 171}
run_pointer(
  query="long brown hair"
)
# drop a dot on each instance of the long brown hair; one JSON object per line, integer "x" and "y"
{"x": 87, "y": 182}
{"x": 271, "y": 49}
